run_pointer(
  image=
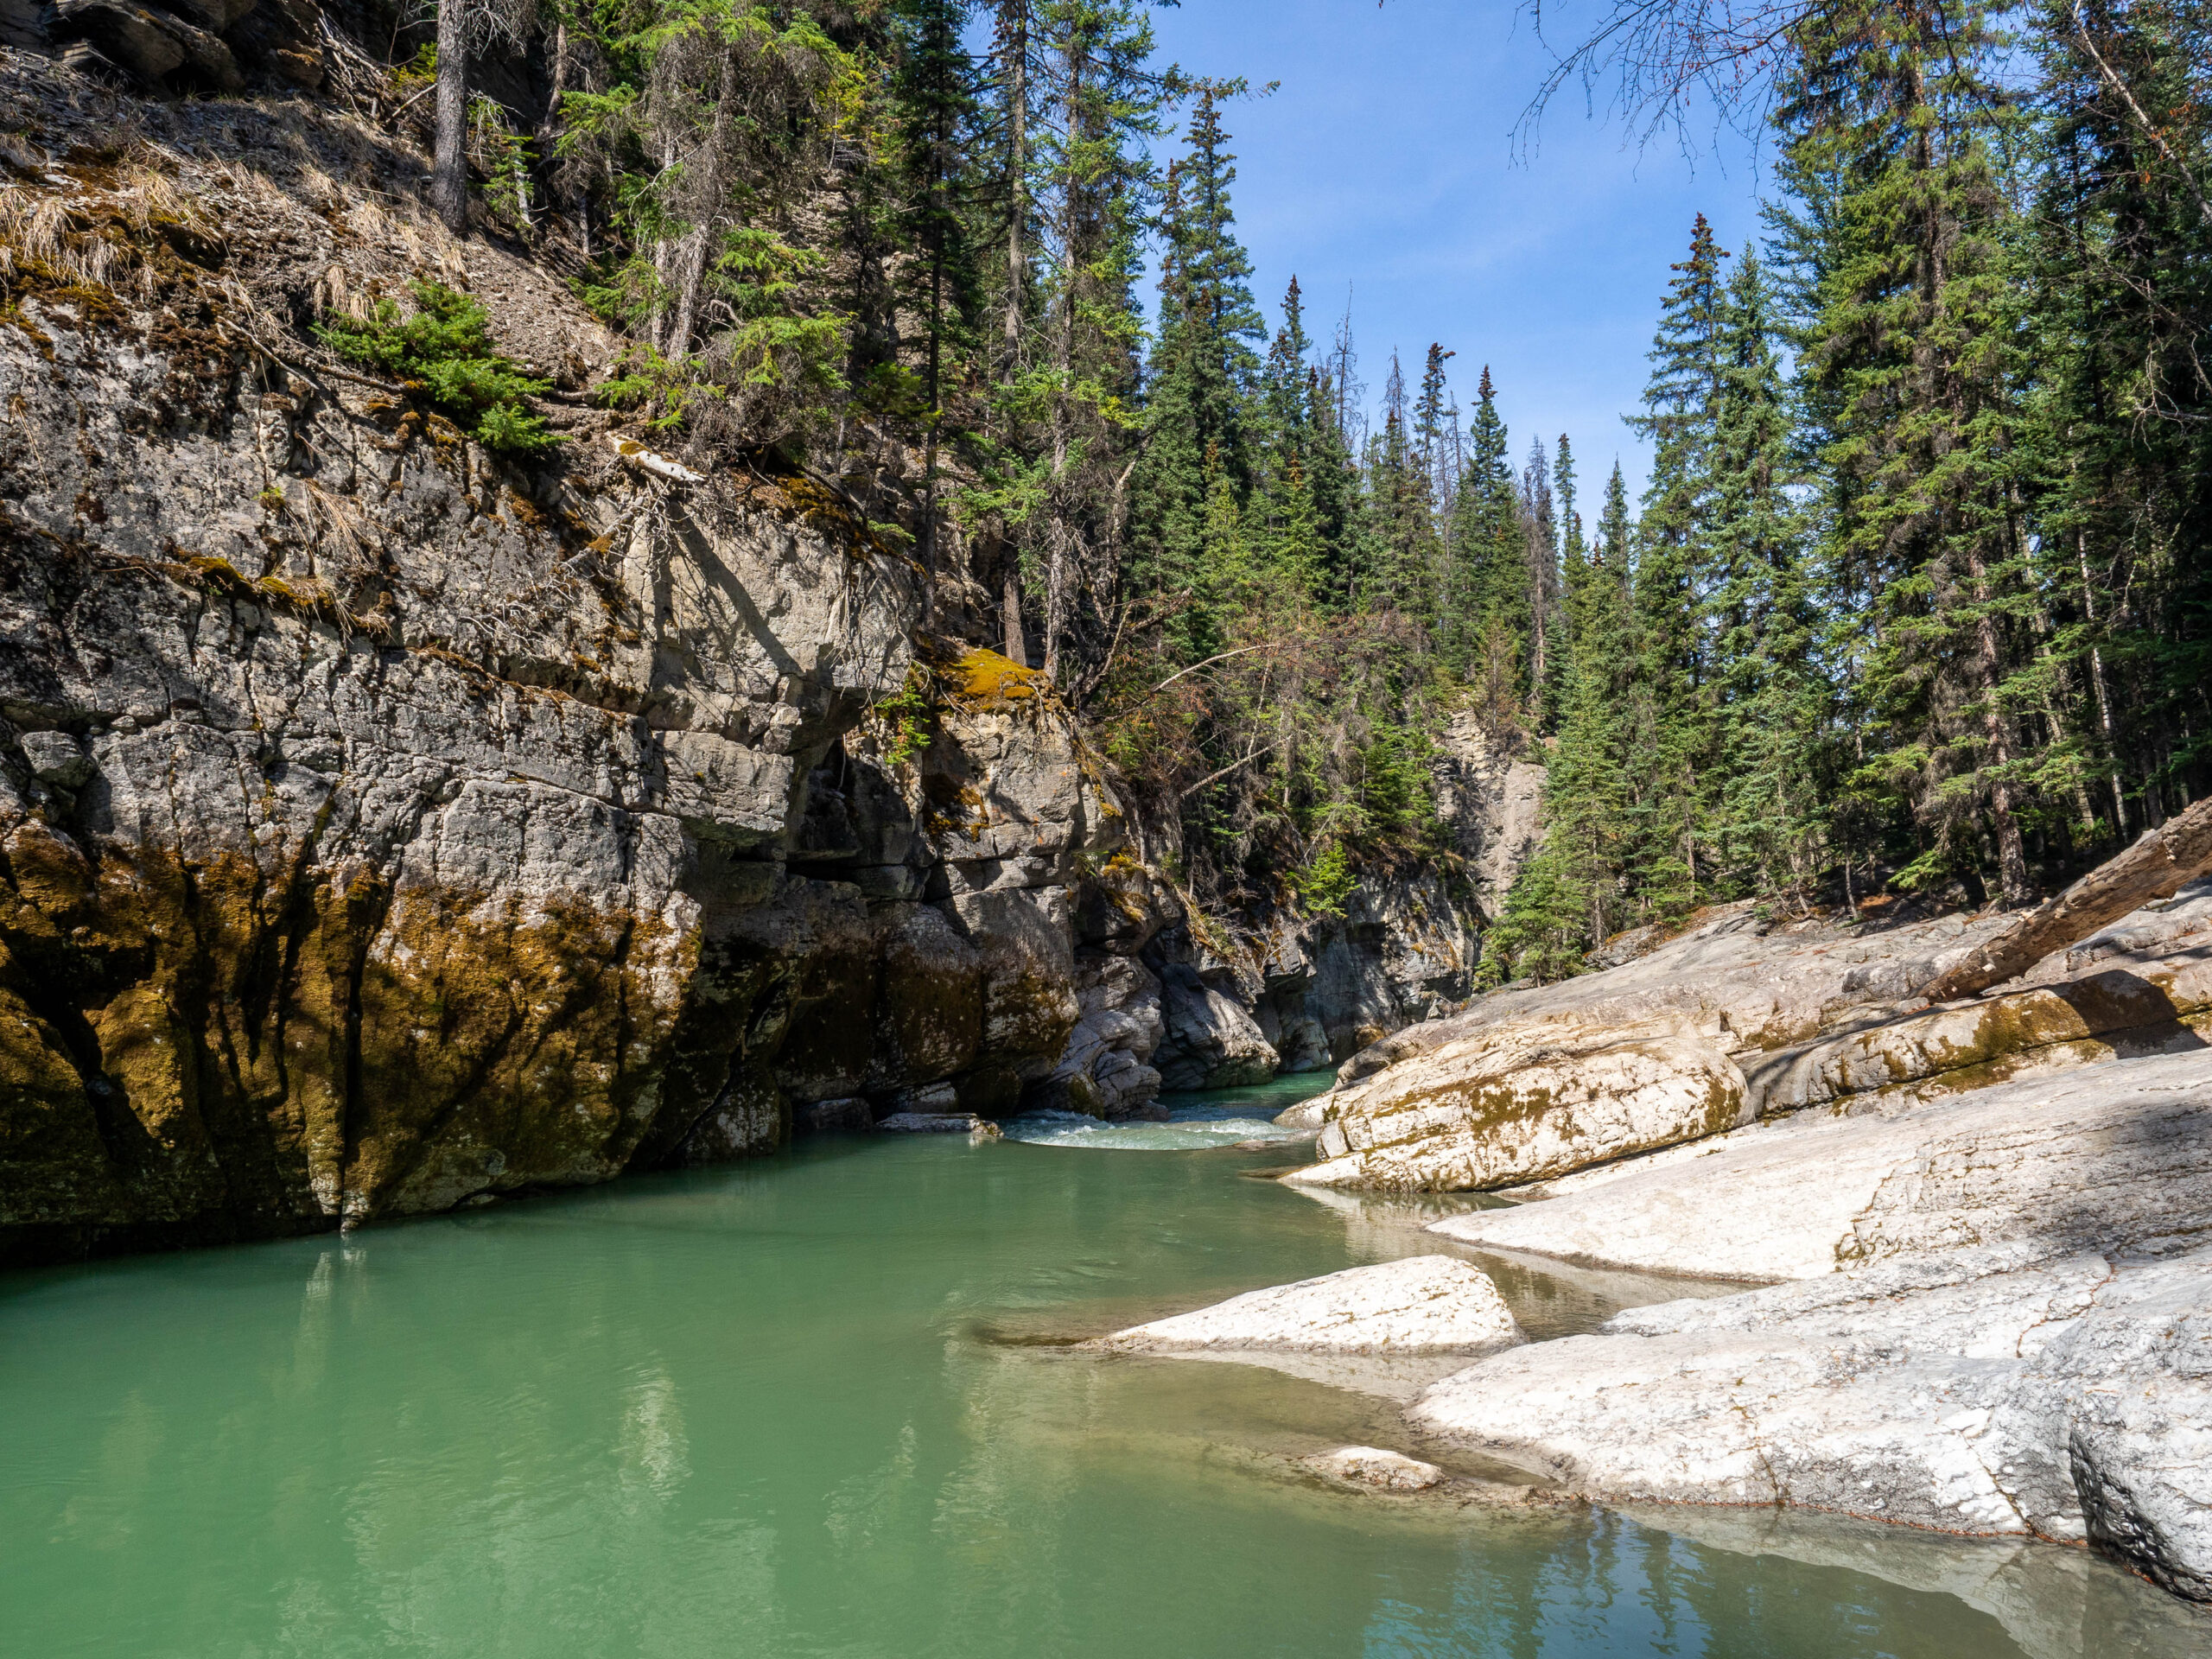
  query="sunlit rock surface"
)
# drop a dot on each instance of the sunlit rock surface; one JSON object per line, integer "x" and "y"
{"x": 1999, "y": 1322}
{"x": 1493, "y": 1111}
{"x": 1418, "y": 1305}
{"x": 1738, "y": 1020}
{"x": 2115, "y": 1156}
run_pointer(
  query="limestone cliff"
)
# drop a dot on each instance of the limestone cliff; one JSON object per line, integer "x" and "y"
{"x": 386, "y": 823}
{"x": 383, "y": 822}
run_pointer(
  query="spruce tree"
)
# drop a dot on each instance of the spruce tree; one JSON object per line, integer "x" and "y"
{"x": 2119, "y": 278}
{"x": 1540, "y": 539}
{"x": 1486, "y": 601}
{"x": 934, "y": 107}
{"x": 1094, "y": 187}
{"x": 1296, "y": 514}
{"x": 1766, "y": 700}
{"x": 1681, "y": 403}
{"x": 1204, "y": 376}
{"x": 1894, "y": 123}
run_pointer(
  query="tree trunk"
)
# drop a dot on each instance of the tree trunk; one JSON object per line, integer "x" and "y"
{"x": 2012, "y": 855}
{"x": 1017, "y": 648}
{"x": 2157, "y": 866}
{"x": 1056, "y": 566}
{"x": 935, "y": 391}
{"x": 1072, "y": 255}
{"x": 1017, "y": 112}
{"x": 549, "y": 131}
{"x": 449, "y": 160}
{"x": 707, "y": 198}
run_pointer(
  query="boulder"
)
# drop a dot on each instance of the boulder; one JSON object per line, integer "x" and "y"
{"x": 1105, "y": 1070}
{"x": 1495, "y": 1110}
{"x": 1731, "y": 976}
{"x": 1210, "y": 1041}
{"x": 1418, "y": 1305}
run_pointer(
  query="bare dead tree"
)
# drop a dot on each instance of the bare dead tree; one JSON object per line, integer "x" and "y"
{"x": 1661, "y": 58}
{"x": 465, "y": 27}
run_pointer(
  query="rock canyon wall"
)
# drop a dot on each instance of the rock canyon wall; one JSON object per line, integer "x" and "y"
{"x": 386, "y": 823}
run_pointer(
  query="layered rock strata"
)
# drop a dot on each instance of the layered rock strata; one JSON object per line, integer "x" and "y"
{"x": 1732, "y": 1021}
{"x": 383, "y": 822}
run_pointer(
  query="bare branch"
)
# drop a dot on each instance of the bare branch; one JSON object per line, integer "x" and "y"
{"x": 1663, "y": 55}
{"x": 1216, "y": 777}
{"x": 2150, "y": 131}
{"x": 1219, "y": 656}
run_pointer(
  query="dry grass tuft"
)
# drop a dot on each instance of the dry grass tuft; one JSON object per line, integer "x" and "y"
{"x": 106, "y": 228}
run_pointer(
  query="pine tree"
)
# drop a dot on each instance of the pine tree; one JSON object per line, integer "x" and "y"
{"x": 1485, "y": 624}
{"x": 1681, "y": 401}
{"x": 1540, "y": 539}
{"x": 1298, "y": 516}
{"x": 1893, "y": 124}
{"x": 1204, "y": 378}
{"x": 2119, "y": 298}
{"x": 1766, "y": 700}
{"x": 934, "y": 107}
{"x": 1568, "y": 898}
{"x": 1094, "y": 185}
{"x": 1400, "y": 530}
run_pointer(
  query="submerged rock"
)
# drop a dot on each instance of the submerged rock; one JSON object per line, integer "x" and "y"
{"x": 1370, "y": 1466}
{"x": 1420, "y": 1305}
{"x": 940, "y": 1123}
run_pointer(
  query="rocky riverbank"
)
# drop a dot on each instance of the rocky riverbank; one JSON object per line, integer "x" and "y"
{"x": 1985, "y": 1229}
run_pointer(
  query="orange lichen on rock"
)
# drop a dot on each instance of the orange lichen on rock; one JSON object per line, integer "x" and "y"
{"x": 988, "y": 676}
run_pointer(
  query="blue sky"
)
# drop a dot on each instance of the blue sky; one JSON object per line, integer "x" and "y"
{"x": 1384, "y": 164}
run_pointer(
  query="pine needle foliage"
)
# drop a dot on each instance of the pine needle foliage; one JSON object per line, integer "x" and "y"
{"x": 443, "y": 355}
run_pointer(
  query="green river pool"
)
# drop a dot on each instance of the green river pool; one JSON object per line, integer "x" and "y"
{"x": 823, "y": 1405}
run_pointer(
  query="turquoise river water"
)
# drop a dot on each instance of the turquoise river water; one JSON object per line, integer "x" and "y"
{"x": 823, "y": 1405}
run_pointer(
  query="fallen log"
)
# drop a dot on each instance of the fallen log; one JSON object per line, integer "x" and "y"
{"x": 2157, "y": 866}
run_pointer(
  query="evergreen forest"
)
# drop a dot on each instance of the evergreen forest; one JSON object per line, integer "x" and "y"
{"x": 1918, "y": 598}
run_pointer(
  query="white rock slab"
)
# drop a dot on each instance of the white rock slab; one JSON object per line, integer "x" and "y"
{"x": 2108, "y": 1157}
{"x": 1979, "y": 1391}
{"x": 1418, "y": 1305}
